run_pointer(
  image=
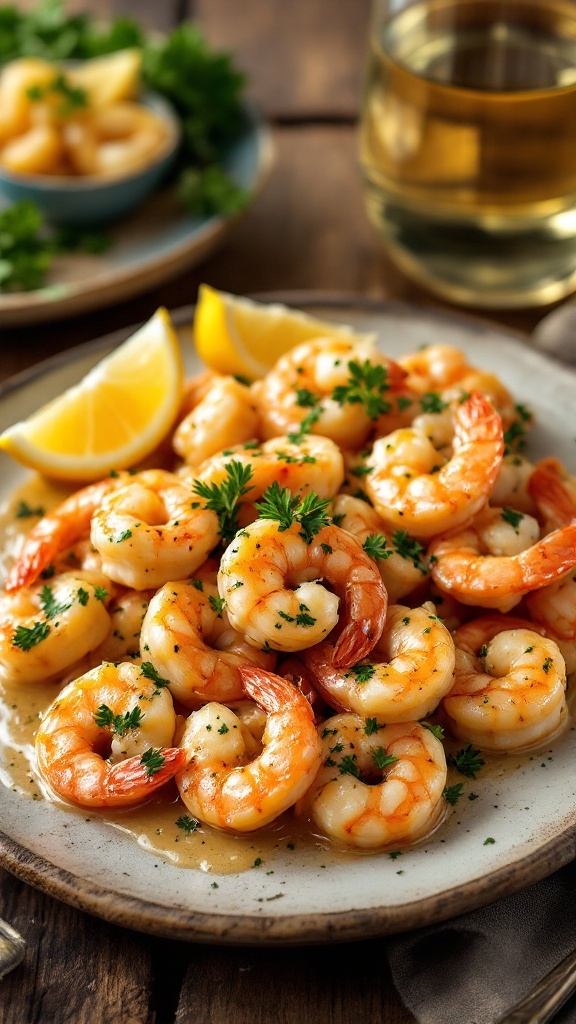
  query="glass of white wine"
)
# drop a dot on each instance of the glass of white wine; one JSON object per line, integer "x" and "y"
{"x": 468, "y": 146}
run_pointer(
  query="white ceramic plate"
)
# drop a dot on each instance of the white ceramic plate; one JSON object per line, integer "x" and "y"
{"x": 530, "y": 813}
{"x": 158, "y": 241}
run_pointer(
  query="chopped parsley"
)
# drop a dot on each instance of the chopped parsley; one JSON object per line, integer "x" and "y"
{"x": 297, "y": 436}
{"x": 187, "y": 824}
{"x": 371, "y": 726}
{"x": 513, "y": 518}
{"x": 366, "y": 386}
{"x": 432, "y": 402}
{"x": 217, "y": 604}
{"x": 436, "y": 730}
{"x": 49, "y": 605}
{"x": 375, "y": 546}
{"x": 149, "y": 672}
{"x": 23, "y": 510}
{"x": 307, "y": 399}
{"x": 467, "y": 761}
{"x": 279, "y": 504}
{"x": 382, "y": 759}
{"x": 363, "y": 672}
{"x": 120, "y": 724}
{"x": 453, "y": 793}
{"x": 25, "y": 638}
{"x": 72, "y": 98}
{"x": 152, "y": 760}
{"x": 349, "y": 766}
{"x": 224, "y": 498}
{"x": 410, "y": 549}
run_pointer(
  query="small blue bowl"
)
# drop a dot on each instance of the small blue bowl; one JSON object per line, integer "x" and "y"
{"x": 90, "y": 199}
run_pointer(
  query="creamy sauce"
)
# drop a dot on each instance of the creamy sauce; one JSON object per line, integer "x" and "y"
{"x": 153, "y": 824}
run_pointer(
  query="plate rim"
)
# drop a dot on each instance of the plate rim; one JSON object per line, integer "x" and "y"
{"x": 244, "y": 929}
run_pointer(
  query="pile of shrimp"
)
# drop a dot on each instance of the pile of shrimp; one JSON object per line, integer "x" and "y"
{"x": 334, "y": 565}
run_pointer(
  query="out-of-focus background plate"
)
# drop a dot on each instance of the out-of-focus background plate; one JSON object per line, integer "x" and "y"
{"x": 159, "y": 240}
{"x": 314, "y": 894}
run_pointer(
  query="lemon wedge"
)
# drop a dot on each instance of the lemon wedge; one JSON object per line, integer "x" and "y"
{"x": 114, "y": 417}
{"x": 235, "y": 335}
{"x": 109, "y": 79}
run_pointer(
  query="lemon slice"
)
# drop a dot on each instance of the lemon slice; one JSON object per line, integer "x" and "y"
{"x": 114, "y": 417}
{"x": 109, "y": 79}
{"x": 239, "y": 336}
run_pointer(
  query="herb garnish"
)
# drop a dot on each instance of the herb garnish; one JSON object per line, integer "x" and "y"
{"x": 365, "y": 386}
{"x": 224, "y": 498}
{"x": 279, "y": 504}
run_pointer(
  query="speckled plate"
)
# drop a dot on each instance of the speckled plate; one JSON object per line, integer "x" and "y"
{"x": 158, "y": 241}
{"x": 527, "y": 805}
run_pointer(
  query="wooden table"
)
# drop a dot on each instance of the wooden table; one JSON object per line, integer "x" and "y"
{"x": 307, "y": 231}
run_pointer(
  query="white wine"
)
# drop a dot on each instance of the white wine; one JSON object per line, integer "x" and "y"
{"x": 468, "y": 147}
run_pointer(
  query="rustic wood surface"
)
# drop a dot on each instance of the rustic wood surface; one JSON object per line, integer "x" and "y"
{"x": 308, "y": 231}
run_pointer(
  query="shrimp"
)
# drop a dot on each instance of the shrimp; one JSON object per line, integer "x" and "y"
{"x": 509, "y": 691}
{"x": 512, "y": 487}
{"x": 221, "y": 786}
{"x": 554, "y": 493}
{"x": 58, "y": 531}
{"x": 187, "y": 636}
{"x": 378, "y": 784}
{"x": 225, "y": 416}
{"x": 147, "y": 531}
{"x": 411, "y": 493}
{"x": 127, "y": 613}
{"x": 401, "y": 561}
{"x": 113, "y": 709}
{"x": 315, "y": 464}
{"x": 497, "y": 559}
{"x": 45, "y": 629}
{"x": 434, "y": 367}
{"x": 410, "y": 672}
{"x": 303, "y": 383}
{"x": 266, "y": 560}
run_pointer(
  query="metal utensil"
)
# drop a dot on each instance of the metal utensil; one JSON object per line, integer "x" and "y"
{"x": 556, "y": 333}
{"x": 12, "y": 948}
{"x": 547, "y": 997}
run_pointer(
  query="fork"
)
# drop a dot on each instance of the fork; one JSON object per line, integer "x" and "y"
{"x": 547, "y": 997}
{"x": 12, "y": 948}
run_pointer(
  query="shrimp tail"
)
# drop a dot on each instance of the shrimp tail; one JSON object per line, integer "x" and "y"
{"x": 134, "y": 777}
{"x": 320, "y": 663}
{"x": 270, "y": 691}
{"x": 367, "y": 604}
{"x": 548, "y": 489}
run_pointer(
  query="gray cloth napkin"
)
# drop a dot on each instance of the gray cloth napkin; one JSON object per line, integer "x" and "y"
{"x": 472, "y": 969}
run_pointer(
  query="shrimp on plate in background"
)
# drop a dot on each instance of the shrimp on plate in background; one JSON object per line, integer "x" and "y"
{"x": 106, "y": 741}
{"x": 227, "y": 783}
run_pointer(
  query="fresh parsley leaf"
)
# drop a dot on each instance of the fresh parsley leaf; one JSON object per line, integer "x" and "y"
{"x": 382, "y": 759}
{"x": 25, "y": 638}
{"x": 467, "y": 761}
{"x": 187, "y": 824}
{"x": 349, "y": 766}
{"x": 432, "y": 402}
{"x": 513, "y": 518}
{"x": 149, "y": 672}
{"x": 152, "y": 760}
{"x": 119, "y": 724}
{"x": 224, "y": 498}
{"x": 217, "y": 604}
{"x": 366, "y": 386}
{"x": 23, "y": 510}
{"x": 410, "y": 549}
{"x": 453, "y": 793}
{"x": 279, "y": 504}
{"x": 48, "y": 603}
{"x": 375, "y": 546}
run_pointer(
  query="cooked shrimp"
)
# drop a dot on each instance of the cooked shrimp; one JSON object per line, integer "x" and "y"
{"x": 410, "y": 671}
{"x": 511, "y": 488}
{"x": 225, "y": 416}
{"x": 508, "y": 692}
{"x": 127, "y": 612}
{"x": 114, "y": 709}
{"x": 402, "y": 563}
{"x": 434, "y": 367}
{"x": 58, "y": 531}
{"x": 147, "y": 531}
{"x": 265, "y": 561}
{"x": 554, "y": 492}
{"x": 304, "y": 381}
{"x": 221, "y": 785}
{"x": 315, "y": 464}
{"x": 188, "y": 638}
{"x": 497, "y": 559}
{"x": 45, "y": 629}
{"x": 378, "y": 784}
{"x": 411, "y": 493}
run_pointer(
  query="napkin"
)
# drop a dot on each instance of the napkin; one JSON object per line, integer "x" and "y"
{"x": 472, "y": 969}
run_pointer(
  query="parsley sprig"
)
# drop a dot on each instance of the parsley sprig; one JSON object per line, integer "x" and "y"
{"x": 279, "y": 504}
{"x": 366, "y": 386}
{"x": 224, "y": 499}
{"x": 119, "y": 724}
{"x": 466, "y": 761}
